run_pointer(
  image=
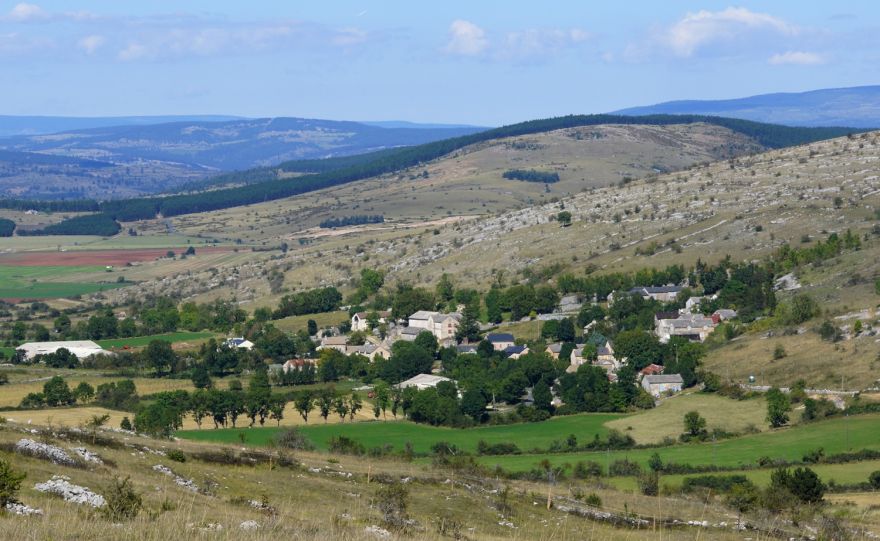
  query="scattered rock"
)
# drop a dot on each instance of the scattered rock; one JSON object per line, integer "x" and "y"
{"x": 188, "y": 484}
{"x": 22, "y": 509}
{"x": 62, "y": 486}
{"x": 379, "y": 532}
{"x": 45, "y": 451}
{"x": 87, "y": 455}
{"x": 249, "y": 525}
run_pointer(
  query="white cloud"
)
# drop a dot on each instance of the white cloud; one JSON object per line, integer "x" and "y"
{"x": 799, "y": 58}
{"x": 466, "y": 39}
{"x": 696, "y": 30}
{"x": 532, "y": 43}
{"x": 90, "y": 44}
{"x": 133, "y": 51}
{"x": 23, "y": 13}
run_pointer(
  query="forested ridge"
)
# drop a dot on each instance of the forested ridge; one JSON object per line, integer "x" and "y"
{"x": 263, "y": 185}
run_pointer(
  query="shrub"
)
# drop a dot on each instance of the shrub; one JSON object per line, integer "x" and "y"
{"x": 649, "y": 483}
{"x": 874, "y": 479}
{"x": 176, "y": 455}
{"x": 10, "y": 482}
{"x": 502, "y": 448}
{"x": 624, "y": 467}
{"x": 122, "y": 502}
{"x": 586, "y": 469}
{"x": 391, "y": 500}
{"x": 594, "y": 500}
{"x": 717, "y": 483}
{"x": 293, "y": 438}
{"x": 345, "y": 445}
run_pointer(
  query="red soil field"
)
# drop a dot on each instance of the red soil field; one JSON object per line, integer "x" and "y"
{"x": 116, "y": 258}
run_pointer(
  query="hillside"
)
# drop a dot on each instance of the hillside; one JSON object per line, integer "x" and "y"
{"x": 160, "y": 157}
{"x": 857, "y": 107}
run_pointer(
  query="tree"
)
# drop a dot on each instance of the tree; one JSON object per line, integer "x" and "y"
{"x": 807, "y": 486}
{"x": 312, "y": 327}
{"x": 565, "y": 332}
{"x": 10, "y": 482}
{"x": 694, "y": 423}
{"x": 493, "y": 306}
{"x": 445, "y": 288}
{"x": 325, "y": 402}
{"x": 200, "y": 377}
{"x": 340, "y": 406}
{"x": 57, "y": 393}
{"x": 564, "y": 218}
{"x": 95, "y": 422}
{"x": 427, "y": 341}
{"x": 355, "y": 404}
{"x": 473, "y": 404}
{"x": 157, "y": 419}
{"x": 84, "y": 392}
{"x": 160, "y": 356}
{"x": 778, "y": 406}
{"x": 276, "y": 409}
{"x": 469, "y": 326}
{"x": 303, "y": 405}
{"x": 125, "y": 424}
{"x": 542, "y": 396}
{"x": 382, "y": 394}
{"x": 199, "y": 404}
{"x": 874, "y": 480}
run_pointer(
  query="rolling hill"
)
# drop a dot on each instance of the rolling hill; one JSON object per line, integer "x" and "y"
{"x": 857, "y": 107}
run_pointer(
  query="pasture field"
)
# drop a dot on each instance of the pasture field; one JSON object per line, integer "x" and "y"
{"x": 296, "y": 323}
{"x": 834, "y": 436}
{"x": 177, "y": 338}
{"x": 45, "y": 282}
{"x": 12, "y": 394}
{"x": 667, "y": 419}
{"x": 398, "y": 433}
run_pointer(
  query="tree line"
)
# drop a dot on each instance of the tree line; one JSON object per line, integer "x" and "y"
{"x": 531, "y": 175}
{"x": 352, "y": 220}
{"x": 383, "y": 162}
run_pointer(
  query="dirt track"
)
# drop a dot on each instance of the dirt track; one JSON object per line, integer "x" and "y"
{"x": 95, "y": 257}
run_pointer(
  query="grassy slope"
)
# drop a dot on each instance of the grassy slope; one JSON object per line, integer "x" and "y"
{"x": 48, "y": 282}
{"x": 142, "y": 341}
{"x": 835, "y": 436}
{"x": 397, "y": 433}
{"x": 667, "y": 420}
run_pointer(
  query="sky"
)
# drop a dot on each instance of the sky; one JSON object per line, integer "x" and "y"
{"x": 483, "y": 62}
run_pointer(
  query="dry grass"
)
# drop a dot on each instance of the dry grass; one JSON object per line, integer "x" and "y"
{"x": 667, "y": 419}
{"x": 12, "y": 394}
{"x": 851, "y": 364}
{"x": 321, "y": 506}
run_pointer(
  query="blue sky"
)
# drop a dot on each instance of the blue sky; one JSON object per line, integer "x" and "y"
{"x": 478, "y": 62}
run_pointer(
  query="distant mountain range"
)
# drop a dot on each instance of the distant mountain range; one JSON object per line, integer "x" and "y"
{"x": 36, "y": 125}
{"x": 855, "y": 107}
{"x": 225, "y": 145}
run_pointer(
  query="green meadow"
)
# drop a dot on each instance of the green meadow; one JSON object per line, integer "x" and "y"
{"x": 36, "y": 282}
{"x": 526, "y": 436}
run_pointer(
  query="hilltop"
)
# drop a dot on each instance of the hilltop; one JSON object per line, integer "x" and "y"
{"x": 857, "y": 107}
{"x": 153, "y": 155}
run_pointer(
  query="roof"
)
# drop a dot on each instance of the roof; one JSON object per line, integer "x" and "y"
{"x": 422, "y": 380}
{"x": 413, "y": 330}
{"x": 652, "y": 369}
{"x": 514, "y": 350}
{"x": 466, "y": 348}
{"x": 423, "y": 314}
{"x": 555, "y": 348}
{"x": 500, "y": 337}
{"x": 80, "y": 348}
{"x": 663, "y": 378}
{"x": 667, "y": 315}
{"x": 656, "y": 289}
{"x": 334, "y": 341}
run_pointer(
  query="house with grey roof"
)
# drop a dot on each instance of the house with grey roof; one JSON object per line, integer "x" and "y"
{"x": 661, "y": 384}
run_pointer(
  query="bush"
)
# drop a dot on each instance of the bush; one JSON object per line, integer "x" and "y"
{"x": 586, "y": 469}
{"x": 594, "y": 500}
{"x": 624, "y": 467}
{"x": 292, "y": 438}
{"x": 502, "y": 448}
{"x": 649, "y": 483}
{"x": 10, "y": 482}
{"x": 874, "y": 479}
{"x": 391, "y": 500}
{"x": 345, "y": 445}
{"x": 122, "y": 501}
{"x": 176, "y": 455}
{"x": 716, "y": 483}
